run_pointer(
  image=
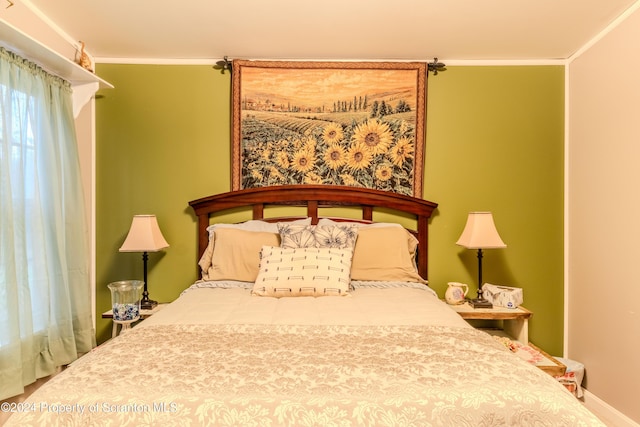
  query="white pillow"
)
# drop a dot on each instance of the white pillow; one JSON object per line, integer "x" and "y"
{"x": 327, "y": 222}
{"x": 291, "y": 272}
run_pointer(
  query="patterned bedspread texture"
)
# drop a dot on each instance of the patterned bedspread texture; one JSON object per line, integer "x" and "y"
{"x": 302, "y": 375}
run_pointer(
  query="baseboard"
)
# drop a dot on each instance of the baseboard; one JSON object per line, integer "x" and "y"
{"x": 607, "y": 413}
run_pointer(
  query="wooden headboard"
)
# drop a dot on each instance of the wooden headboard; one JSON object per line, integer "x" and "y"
{"x": 314, "y": 197}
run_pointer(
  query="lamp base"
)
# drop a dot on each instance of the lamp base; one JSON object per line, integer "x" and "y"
{"x": 479, "y": 303}
{"x": 148, "y": 304}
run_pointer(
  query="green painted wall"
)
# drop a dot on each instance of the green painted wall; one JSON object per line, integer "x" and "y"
{"x": 494, "y": 142}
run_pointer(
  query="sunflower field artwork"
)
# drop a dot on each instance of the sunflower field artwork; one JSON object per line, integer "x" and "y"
{"x": 332, "y": 123}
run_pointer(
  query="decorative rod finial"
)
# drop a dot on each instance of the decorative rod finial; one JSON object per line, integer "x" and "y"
{"x": 223, "y": 64}
{"x": 436, "y": 66}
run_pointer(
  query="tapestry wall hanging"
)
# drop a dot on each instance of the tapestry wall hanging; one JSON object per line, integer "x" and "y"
{"x": 333, "y": 123}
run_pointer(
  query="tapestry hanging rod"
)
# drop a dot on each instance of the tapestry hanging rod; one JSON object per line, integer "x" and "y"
{"x": 226, "y": 64}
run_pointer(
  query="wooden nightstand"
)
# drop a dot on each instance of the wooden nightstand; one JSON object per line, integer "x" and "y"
{"x": 512, "y": 323}
{"x": 143, "y": 315}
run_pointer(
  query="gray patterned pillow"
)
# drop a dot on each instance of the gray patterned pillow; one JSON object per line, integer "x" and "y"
{"x": 317, "y": 236}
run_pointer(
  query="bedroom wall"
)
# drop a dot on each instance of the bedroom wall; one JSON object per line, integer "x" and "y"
{"x": 494, "y": 142}
{"x": 603, "y": 204}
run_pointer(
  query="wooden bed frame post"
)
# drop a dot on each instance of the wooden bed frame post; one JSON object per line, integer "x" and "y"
{"x": 423, "y": 252}
{"x": 312, "y": 211}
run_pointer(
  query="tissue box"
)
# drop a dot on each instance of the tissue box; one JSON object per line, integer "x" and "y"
{"x": 502, "y": 296}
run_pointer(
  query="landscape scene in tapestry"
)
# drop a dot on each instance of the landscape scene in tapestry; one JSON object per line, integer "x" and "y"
{"x": 333, "y": 127}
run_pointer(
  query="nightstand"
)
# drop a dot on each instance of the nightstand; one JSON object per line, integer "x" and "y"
{"x": 513, "y": 321}
{"x": 143, "y": 315}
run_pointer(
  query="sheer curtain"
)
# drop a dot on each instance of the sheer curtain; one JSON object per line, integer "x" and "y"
{"x": 45, "y": 296}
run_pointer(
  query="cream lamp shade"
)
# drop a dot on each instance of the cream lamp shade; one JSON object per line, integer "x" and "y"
{"x": 480, "y": 232}
{"x": 144, "y": 235}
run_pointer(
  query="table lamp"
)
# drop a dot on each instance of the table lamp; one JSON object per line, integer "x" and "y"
{"x": 144, "y": 236}
{"x": 480, "y": 233}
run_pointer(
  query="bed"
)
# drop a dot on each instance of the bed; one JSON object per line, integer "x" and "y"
{"x": 269, "y": 337}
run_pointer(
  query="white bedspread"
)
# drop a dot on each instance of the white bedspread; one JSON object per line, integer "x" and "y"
{"x": 223, "y": 357}
{"x": 382, "y": 303}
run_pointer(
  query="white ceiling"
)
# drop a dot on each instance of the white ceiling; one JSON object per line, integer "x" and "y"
{"x": 148, "y": 30}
